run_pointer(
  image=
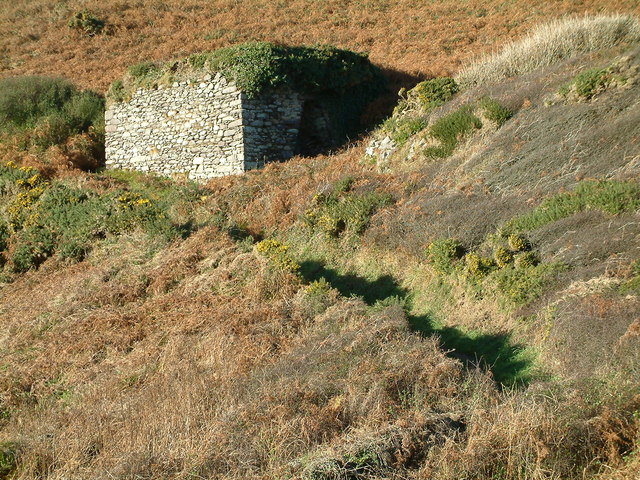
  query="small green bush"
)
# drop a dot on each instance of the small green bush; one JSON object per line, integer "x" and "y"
{"x": 35, "y": 245}
{"x": 502, "y": 256}
{"x": 4, "y": 235}
{"x": 277, "y": 252}
{"x": 632, "y": 286}
{"x": 494, "y": 111}
{"x": 478, "y": 266}
{"x": 87, "y": 22}
{"x": 526, "y": 260}
{"x": 143, "y": 70}
{"x": 344, "y": 211}
{"x": 518, "y": 242}
{"x": 449, "y": 129}
{"x": 427, "y": 95}
{"x": 588, "y": 83}
{"x": 522, "y": 285}
{"x": 8, "y": 459}
{"x": 444, "y": 253}
{"x": 433, "y": 93}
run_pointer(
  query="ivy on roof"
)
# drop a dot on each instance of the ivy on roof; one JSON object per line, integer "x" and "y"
{"x": 258, "y": 66}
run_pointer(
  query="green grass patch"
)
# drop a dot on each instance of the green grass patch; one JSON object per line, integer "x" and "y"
{"x": 494, "y": 111}
{"x": 632, "y": 285}
{"x": 401, "y": 129}
{"x": 609, "y": 196}
{"x": 589, "y": 83}
{"x": 450, "y": 129}
{"x": 8, "y": 459}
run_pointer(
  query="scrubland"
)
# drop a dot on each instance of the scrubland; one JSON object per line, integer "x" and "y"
{"x": 453, "y": 296}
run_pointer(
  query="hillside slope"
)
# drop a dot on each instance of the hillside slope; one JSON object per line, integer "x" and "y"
{"x": 455, "y": 297}
{"x": 410, "y": 38}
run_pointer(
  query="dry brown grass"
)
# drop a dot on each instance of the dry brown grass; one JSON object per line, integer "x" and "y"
{"x": 413, "y": 38}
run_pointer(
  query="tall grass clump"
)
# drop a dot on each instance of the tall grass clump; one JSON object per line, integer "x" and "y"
{"x": 550, "y": 43}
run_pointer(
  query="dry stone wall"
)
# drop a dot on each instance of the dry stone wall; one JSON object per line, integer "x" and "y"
{"x": 202, "y": 129}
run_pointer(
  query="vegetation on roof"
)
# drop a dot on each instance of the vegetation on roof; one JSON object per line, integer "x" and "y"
{"x": 258, "y": 66}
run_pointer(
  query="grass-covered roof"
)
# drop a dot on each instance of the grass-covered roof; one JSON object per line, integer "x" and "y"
{"x": 257, "y": 66}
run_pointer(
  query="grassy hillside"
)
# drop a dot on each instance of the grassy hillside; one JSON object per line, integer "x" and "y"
{"x": 454, "y": 297}
{"x": 412, "y": 38}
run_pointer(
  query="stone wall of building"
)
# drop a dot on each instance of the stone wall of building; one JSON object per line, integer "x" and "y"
{"x": 271, "y": 126}
{"x": 202, "y": 129}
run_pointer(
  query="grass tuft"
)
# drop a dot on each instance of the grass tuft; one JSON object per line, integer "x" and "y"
{"x": 551, "y": 43}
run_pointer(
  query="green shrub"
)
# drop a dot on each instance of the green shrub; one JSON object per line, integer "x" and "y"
{"x": 518, "y": 242}
{"x": 4, "y": 235}
{"x": 55, "y": 218}
{"x": 588, "y": 83}
{"x": 522, "y": 285}
{"x": 427, "y": 95}
{"x": 344, "y": 211}
{"x": 433, "y": 93}
{"x": 478, "y": 266}
{"x": 8, "y": 459}
{"x": 444, "y": 253}
{"x": 86, "y": 22}
{"x": 278, "y": 253}
{"x": 143, "y": 70}
{"x": 632, "y": 285}
{"x": 35, "y": 245}
{"x": 610, "y": 196}
{"x": 526, "y": 260}
{"x": 449, "y": 129}
{"x": 494, "y": 111}
{"x": 502, "y": 256}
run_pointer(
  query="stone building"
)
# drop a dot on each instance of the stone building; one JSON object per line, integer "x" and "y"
{"x": 203, "y": 129}
{"x": 188, "y": 117}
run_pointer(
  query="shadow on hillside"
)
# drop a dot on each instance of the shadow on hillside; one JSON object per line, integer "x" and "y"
{"x": 353, "y": 285}
{"x": 507, "y": 361}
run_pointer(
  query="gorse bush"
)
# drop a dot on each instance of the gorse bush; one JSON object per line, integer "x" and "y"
{"x": 550, "y": 43}
{"x": 86, "y": 22}
{"x": 444, "y": 253}
{"x": 525, "y": 283}
{"x": 43, "y": 111}
{"x": 478, "y": 266}
{"x": 50, "y": 218}
{"x": 277, "y": 252}
{"x": 427, "y": 95}
{"x": 494, "y": 111}
{"x": 343, "y": 210}
{"x": 8, "y": 459}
